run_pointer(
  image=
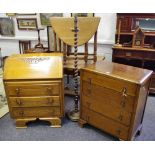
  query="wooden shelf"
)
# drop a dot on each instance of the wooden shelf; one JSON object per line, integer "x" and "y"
{"x": 133, "y": 49}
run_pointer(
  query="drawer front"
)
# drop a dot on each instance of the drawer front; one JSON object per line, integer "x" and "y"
{"x": 35, "y": 112}
{"x": 129, "y": 54}
{"x": 111, "y": 83}
{"x": 105, "y": 109}
{"x": 105, "y": 124}
{"x": 34, "y": 101}
{"x": 33, "y": 89}
{"x": 107, "y": 96}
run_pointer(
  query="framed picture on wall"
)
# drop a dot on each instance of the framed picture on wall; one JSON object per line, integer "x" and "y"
{"x": 26, "y": 14}
{"x": 7, "y": 27}
{"x": 44, "y": 17}
{"x": 82, "y": 14}
{"x": 27, "y": 23}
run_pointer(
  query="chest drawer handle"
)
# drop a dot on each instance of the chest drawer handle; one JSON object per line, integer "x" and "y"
{"x": 19, "y": 102}
{"x": 17, "y": 91}
{"x": 120, "y": 117}
{"x": 124, "y": 92}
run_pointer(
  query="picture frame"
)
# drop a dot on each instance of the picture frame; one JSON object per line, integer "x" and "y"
{"x": 83, "y": 14}
{"x": 27, "y": 23}
{"x": 26, "y": 14}
{"x": 7, "y": 27}
{"x": 44, "y": 18}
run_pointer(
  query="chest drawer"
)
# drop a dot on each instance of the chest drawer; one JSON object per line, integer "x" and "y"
{"x": 107, "y": 96}
{"x": 33, "y": 112}
{"x": 33, "y": 89}
{"x": 105, "y": 124}
{"x": 111, "y": 83}
{"x": 105, "y": 109}
{"x": 34, "y": 101}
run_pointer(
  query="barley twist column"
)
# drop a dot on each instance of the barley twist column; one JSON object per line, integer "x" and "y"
{"x": 74, "y": 115}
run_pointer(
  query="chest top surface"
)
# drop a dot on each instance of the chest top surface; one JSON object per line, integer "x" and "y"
{"x": 120, "y": 71}
{"x": 34, "y": 66}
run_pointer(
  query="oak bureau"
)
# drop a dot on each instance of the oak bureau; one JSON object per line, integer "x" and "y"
{"x": 34, "y": 88}
{"x": 113, "y": 98}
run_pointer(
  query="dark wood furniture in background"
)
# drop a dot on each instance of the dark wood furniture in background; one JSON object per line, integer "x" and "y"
{"x": 129, "y": 53}
{"x": 113, "y": 98}
{"x": 35, "y": 90}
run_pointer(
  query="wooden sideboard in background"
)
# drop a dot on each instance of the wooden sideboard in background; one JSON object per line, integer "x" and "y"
{"x": 142, "y": 56}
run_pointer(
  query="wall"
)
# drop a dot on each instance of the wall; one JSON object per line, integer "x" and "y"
{"x": 106, "y": 35}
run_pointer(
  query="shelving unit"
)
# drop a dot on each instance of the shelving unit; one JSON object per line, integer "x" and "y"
{"x": 142, "y": 56}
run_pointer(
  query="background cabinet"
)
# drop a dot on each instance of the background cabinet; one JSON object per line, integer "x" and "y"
{"x": 142, "y": 56}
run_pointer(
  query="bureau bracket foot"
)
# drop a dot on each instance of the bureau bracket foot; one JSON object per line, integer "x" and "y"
{"x": 21, "y": 123}
{"x": 55, "y": 122}
{"x": 81, "y": 122}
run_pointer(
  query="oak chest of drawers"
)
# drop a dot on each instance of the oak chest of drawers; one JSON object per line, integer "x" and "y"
{"x": 113, "y": 98}
{"x": 34, "y": 88}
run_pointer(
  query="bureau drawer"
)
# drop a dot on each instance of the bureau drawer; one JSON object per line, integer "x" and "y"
{"x": 35, "y": 112}
{"x": 109, "y": 82}
{"x": 105, "y": 124}
{"x": 107, "y": 96}
{"x": 33, "y": 89}
{"x": 106, "y": 109}
{"x": 34, "y": 101}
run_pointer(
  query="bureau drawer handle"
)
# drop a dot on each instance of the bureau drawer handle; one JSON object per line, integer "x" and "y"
{"x": 21, "y": 113}
{"x": 49, "y": 90}
{"x": 17, "y": 91}
{"x": 19, "y": 102}
{"x": 50, "y": 100}
{"x": 124, "y": 92}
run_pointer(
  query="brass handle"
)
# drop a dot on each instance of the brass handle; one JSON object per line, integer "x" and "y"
{"x": 120, "y": 117}
{"x": 50, "y": 100}
{"x": 21, "y": 113}
{"x": 49, "y": 90}
{"x": 17, "y": 91}
{"x": 19, "y": 102}
{"x": 124, "y": 92}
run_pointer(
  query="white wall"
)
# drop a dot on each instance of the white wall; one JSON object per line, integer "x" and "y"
{"x": 106, "y": 35}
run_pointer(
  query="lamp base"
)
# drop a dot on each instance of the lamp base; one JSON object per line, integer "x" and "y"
{"x": 73, "y": 115}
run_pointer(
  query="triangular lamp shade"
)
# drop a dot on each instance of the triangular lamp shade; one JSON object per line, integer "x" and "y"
{"x": 63, "y": 27}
